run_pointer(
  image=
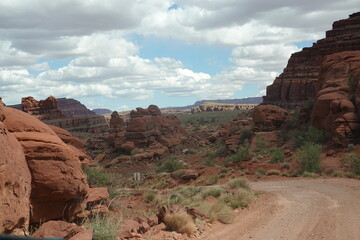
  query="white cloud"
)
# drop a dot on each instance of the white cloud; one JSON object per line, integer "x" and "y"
{"x": 104, "y": 63}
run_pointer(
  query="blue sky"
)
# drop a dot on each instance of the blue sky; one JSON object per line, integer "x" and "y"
{"x": 120, "y": 55}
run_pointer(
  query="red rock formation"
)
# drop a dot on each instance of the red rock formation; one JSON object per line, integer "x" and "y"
{"x": 43, "y": 110}
{"x": 148, "y": 129}
{"x": 268, "y": 117}
{"x": 58, "y": 186}
{"x": 15, "y": 183}
{"x": 300, "y": 79}
{"x": 335, "y": 105}
{"x": 62, "y": 229}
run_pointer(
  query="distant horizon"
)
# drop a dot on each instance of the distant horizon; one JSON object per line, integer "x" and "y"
{"x": 122, "y": 55}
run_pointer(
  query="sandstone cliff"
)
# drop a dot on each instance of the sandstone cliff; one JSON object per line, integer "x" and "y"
{"x": 300, "y": 79}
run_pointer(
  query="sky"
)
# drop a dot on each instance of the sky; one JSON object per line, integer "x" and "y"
{"x": 122, "y": 54}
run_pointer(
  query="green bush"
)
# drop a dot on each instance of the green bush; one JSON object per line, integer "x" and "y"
{"x": 312, "y": 135}
{"x": 213, "y": 180}
{"x": 209, "y": 161}
{"x": 277, "y": 156}
{"x": 260, "y": 171}
{"x": 310, "y": 174}
{"x": 241, "y": 198}
{"x": 241, "y": 155}
{"x": 213, "y": 192}
{"x": 238, "y": 183}
{"x": 104, "y": 226}
{"x": 351, "y": 161}
{"x": 170, "y": 164}
{"x": 218, "y": 211}
{"x": 98, "y": 177}
{"x": 273, "y": 172}
{"x": 309, "y": 157}
{"x": 245, "y": 134}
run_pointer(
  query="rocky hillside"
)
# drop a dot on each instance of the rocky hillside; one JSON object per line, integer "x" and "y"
{"x": 300, "y": 80}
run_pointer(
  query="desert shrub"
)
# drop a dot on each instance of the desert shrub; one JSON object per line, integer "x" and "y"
{"x": 98, "y": 177}
{"x": 260, "y": 171}
{"x": 104, "y": 226}
{"x": 245, "y": 134}
{"x": 241, "y": 155}
{"x": 351, "y": 161}
{"x": 309, "y": 157}
{"x": 284, "y": 135}
{"x": 337, "y": 173}
{"x": 312, "y": 135}
{"x": 213, "y": 192}
{"x": 217, "y": 212}
{"x": 179, "y": 222}
{"x": 273, "y": 172}
{"x": 350, "y": 147}
{"x": 310, "y": 174}
{"x": 238, "y": 183}
{"x": 209, "y": 161}
{"x": 213, "y": 179}
{"x": 223, "y": 170}
{"x": 242, "y": 198}
{"x": 134, "y": 151}
{"x": 277, "y": 156}
{"x": 286, "y": 165}
{"x": 150, "y": 196}
{"x": 170, "y": 164}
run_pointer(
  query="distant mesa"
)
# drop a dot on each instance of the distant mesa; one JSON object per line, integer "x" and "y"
{"x": 101, "y": 111}
{"x": 72, "y": 108}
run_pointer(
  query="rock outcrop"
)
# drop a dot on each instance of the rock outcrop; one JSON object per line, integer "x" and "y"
{"x": 15, "y": 183}
{"x": 300, "y": 80}
{"x": 58, "y": 186}
{"x": 337, "y": 103}
{"x": 148, "y": 131}
{"x": 43, "y": 109}
{"x": 72, "y": 108}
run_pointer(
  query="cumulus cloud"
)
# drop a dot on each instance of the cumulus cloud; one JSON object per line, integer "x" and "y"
{"x": 93, "y": 34}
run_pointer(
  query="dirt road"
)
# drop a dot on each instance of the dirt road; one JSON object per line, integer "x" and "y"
{"x": 298, "y": 209}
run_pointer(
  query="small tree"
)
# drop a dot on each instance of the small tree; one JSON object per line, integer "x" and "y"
{"x": 309, "y": 157}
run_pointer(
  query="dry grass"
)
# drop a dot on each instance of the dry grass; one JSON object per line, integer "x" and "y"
{"x": 179, "y": 222}
{"x": 217, "y": 212}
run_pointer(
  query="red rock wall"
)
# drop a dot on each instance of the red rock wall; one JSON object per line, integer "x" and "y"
{"x": 300, "y": 79}
{"x": 338, "y": 102}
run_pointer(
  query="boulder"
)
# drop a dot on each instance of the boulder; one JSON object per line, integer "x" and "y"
{"x": 97, "y": 195}
{"x": 58, "y": 229}
{"x": 58, "y": 185}
{"x": 15, "y": 182}
{"x": 269, "y": 117}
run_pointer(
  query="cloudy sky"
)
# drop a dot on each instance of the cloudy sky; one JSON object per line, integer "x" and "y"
{"x": 121, "y": 54}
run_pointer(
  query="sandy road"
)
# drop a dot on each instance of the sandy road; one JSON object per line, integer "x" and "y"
{"x": 298, "y": 209}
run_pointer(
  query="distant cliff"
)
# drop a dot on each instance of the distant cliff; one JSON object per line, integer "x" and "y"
{"x": 71, "y": 107}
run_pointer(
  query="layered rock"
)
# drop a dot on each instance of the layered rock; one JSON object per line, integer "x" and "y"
{"x": 89, "y": 124}
{"x": 58, "y": 186}
{"x": 15, "y": 183}
{"x": 337, "y": 103}
{"x": 300, "y": 79}
{"x": 72, "y": 108}
{"x": 43, "y": 109}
